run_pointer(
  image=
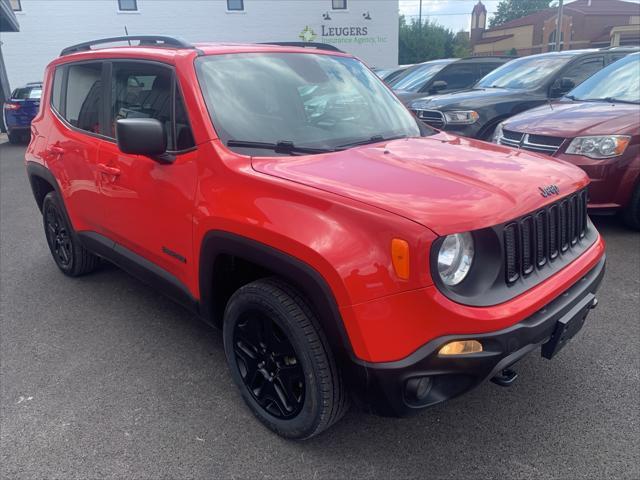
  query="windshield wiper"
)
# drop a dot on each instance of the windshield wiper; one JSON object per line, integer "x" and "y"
{"x": 572, "y": 98}
{"x": 610, "y": 100}
{"x": 283, "y": 146}
{"x": 374, "y": 139}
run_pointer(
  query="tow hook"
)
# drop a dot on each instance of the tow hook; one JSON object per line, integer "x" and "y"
{"x": 505, "y": 378}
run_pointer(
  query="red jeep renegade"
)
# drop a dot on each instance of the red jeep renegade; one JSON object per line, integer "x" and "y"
{"x": 286, "y": 195}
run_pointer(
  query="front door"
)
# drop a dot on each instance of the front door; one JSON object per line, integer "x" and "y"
{"x": 149, "y": 203}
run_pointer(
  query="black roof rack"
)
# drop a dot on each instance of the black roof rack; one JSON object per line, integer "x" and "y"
{"x": 154, "y": 40}
{"x": 316, "y": 45}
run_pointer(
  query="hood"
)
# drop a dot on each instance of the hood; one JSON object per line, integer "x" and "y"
{"x": 474, "y": 98}
{"x": 407, "y": 97}
{"x": 572, "y": 119}
{"x": 448, "y": 184}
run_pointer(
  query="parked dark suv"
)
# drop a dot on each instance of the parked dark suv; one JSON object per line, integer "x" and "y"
{"x": 443, "y": 76}
{"x": 516, "y": 86}
{"x": 20, "y": 109}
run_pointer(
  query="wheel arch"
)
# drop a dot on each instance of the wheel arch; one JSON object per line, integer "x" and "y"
{"x": 42, "y": 182}
{"x": 218, "y": 246}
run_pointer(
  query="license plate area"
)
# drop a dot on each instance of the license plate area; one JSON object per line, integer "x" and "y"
{"x": 567, "y": 326}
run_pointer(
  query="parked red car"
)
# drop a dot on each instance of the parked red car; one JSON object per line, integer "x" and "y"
{"x": 596, "y": 127}
{"x": 284, "y": 194}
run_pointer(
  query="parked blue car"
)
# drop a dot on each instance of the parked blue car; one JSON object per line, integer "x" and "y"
{"x": 19, "y": 110}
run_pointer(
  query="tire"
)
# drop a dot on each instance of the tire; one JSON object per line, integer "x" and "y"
{"x": 70, "y": 256}
{"x": 631, "y": 214}
{"x": 280, "y": 360}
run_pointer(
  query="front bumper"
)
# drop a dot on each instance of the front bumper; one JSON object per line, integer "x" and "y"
{"x": 386, "y": 390}
{"x": 612, "y": 179}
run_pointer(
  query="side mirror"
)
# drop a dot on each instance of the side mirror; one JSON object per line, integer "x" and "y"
{"x": 438, "y": 85}
{"x": 561, "y": 86}
{"x": 141, "y": 136}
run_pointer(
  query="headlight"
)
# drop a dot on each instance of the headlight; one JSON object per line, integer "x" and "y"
{"x": 462, "y": 117}
{"x": 497, "y": 135}
{"x": 605, "y": 146}
{"x": 455, "y": 258}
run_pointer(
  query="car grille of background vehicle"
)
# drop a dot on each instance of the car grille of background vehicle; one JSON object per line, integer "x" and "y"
{"x": 534, "y": 143}
{"x": 435, "y": 118}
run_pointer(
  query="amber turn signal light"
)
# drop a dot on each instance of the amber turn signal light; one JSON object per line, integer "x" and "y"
{"x": 461, "y": 347}
{"x": 400, "y": 257}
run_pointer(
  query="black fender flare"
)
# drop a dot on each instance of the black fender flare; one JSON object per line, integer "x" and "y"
{"x": 301, "y": 275}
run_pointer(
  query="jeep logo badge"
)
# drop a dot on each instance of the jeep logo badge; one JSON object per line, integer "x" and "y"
{"x": 549, "y": 190}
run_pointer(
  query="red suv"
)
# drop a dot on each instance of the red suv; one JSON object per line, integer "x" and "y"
{"x": 286, "y": 195}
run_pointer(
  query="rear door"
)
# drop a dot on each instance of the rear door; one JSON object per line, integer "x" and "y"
{"x": 74, "y": 140}
{"x": 149, "y": 204}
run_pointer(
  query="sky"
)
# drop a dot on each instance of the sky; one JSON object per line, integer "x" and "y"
{"x": 453, "y": 14}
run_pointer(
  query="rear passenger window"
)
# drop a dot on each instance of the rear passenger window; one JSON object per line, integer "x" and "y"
{"x": 144, "y": 90}
{"x": 56, "y": 92}
{"x": 83, "y": 106}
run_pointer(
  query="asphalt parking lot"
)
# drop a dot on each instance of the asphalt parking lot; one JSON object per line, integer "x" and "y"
{"x": 103, "y": 377}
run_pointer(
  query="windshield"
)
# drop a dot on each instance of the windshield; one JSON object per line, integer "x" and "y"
{"x": 27, "y": 93}
{"x": 524, "y": 73}
{"x": 416, "y": 77}
{"x": 308, "y": 100}
{"x": 620, "y": 81}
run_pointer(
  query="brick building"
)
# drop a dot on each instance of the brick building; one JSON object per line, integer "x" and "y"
{"x": 585, "y": 24}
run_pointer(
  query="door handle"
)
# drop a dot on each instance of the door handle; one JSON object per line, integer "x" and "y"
{"x": 108, "y": 170}
{"x": 55, "y": 150}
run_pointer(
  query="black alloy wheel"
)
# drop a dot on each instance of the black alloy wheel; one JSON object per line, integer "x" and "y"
{"x": 58, "y": 236}
{"x": 281, "y": 361}
{"x": 268, "y": 365}
{"x": 69, "y": 254}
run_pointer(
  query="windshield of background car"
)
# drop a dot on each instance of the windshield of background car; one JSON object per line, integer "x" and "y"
{"x": 415, "y": 77}
{"x": 27, "y": 93}
{"x": 620, "y": 81}
{"x": 311, "y": 100}
{"x": 524, "y": 73}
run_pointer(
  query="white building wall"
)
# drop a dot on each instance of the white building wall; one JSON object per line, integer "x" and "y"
{"x": 47, "y": 26}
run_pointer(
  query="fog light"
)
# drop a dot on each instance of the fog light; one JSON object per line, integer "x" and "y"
{"x": 418, "y": 388}
{"x": 461, "y": 347}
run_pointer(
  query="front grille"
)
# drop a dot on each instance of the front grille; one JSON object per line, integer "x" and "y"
{"x": 435, "y": 118}
{"x": 534, "y": 143}
{"x": 534, "y": 240}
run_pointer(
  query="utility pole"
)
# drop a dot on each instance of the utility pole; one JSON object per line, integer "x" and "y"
{"x": 420, "y": 15}
{"x": 559, "y": 26}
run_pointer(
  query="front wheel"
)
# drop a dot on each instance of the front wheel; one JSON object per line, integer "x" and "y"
{"x": 281, "y": 361}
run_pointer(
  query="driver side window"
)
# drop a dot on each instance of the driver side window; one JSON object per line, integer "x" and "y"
{"x": 582, "y": 70}
{"x": 144, "y": 90}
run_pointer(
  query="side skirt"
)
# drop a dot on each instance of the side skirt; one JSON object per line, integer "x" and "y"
{"x": 139, "y": 267}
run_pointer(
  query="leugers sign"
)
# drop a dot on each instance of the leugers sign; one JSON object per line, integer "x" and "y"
{"x": 344, "y": 31}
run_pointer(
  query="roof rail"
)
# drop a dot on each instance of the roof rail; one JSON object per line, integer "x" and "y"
{"x": 154, "y": 40}
{"x": 316, "y": 45}
{"x": 622, "y": 48}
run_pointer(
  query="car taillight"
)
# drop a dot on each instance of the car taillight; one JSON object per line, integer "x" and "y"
{"x": 11, "y": 106}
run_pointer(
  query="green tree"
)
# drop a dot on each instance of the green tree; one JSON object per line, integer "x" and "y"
{"x": 461, "y": 45}
{"x": 419, "y": 43}
{"x": 511, "y": 9}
